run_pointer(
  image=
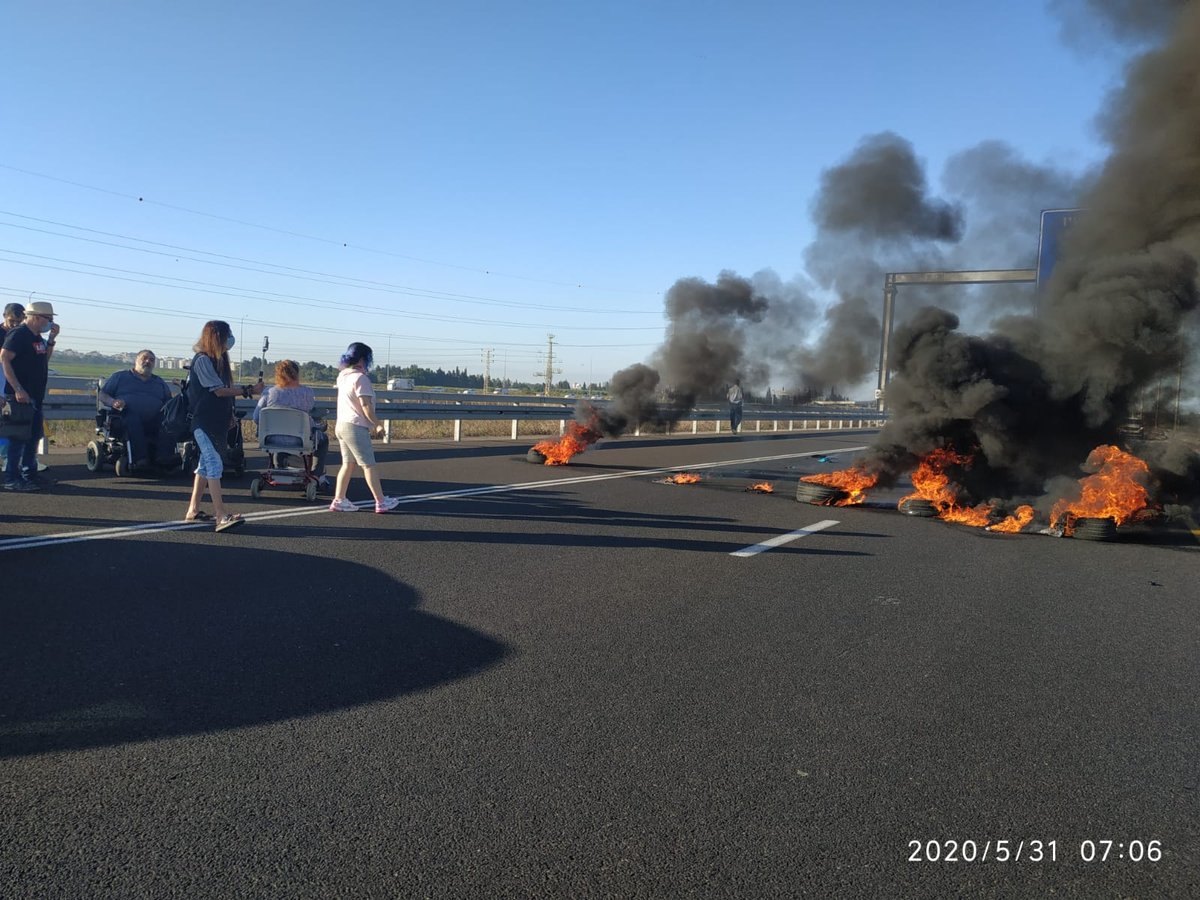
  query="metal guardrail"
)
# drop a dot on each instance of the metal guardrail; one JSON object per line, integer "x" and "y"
{"x": 75, "y": 399}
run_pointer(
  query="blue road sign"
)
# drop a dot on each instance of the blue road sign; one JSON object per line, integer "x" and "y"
{"x": 1055, "y": 223}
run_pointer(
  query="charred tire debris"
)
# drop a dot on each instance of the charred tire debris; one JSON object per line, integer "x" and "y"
{"x": 1095, "y": 529}
{"x": 818, "y": 494}
{"x": 918, "y": 507}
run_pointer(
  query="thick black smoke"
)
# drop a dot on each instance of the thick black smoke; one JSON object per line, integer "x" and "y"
{"x": 705, "y": 344}
{"x": 766, "y": 330}
{"x": 704, "y": 352}
{"x": 881, "y": 193}
{"x": 986, "y": 220}
{"x": 635, "y": 401}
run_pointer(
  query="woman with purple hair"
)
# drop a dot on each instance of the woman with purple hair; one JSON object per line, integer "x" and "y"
{"x": 356, "y": 422}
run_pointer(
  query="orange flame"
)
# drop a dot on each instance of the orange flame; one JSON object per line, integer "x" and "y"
{"x": 763, "y": 487}
{"x": 933, "y": 484}
{"x": 1114, "y": 490}
{"x": 681, "y": 478}
{"x": 854, "y": 481}
{"x": 1014, "y": 523}
{"x": 576, "y": 439}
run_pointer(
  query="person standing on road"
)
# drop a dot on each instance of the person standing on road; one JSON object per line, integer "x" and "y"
{"x": 210, "y": 398}
{"x": 26, "y": 363}
{"x": 356, "y": 422}
{"x": 735, "y": 405}
{"x": 14, "y": 314}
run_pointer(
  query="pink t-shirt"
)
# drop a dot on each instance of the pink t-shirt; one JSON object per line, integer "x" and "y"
{"x": 352, "y": 385}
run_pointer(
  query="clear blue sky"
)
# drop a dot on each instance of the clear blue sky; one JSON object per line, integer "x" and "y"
{"x": 498, "y": 171}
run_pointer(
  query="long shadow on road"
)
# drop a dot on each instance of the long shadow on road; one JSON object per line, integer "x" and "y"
{"x": 193, "y": 645}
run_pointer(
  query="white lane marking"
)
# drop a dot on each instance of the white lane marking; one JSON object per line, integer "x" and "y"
{"x": 72, "y": 537}
{"x": 781, "y": 539}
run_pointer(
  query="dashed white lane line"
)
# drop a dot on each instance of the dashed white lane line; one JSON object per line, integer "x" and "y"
{"x": 780, "y": 539}
{"x": 73, "y": 537}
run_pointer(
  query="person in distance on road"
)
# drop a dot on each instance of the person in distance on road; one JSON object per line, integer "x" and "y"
{"x": 356, "y": 422}
{"x": 735, "y": 405}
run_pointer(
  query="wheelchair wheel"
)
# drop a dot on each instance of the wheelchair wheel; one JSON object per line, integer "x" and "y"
{"x": 95, "y": 457}
{"x": 256, "y": 488}
{"x": 121, "y": 466}
{"x": 310, "y": 491}
{"x": 236, "y": 460}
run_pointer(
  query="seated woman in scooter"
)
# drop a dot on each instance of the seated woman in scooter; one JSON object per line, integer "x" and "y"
{"x": 288, "y": 391}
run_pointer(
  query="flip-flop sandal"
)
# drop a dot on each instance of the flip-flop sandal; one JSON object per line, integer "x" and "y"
{"x": 200, "y": 516}
{"x": 230, "y": 522}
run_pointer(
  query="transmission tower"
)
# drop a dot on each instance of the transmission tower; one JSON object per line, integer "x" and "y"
{"x": 487, "y": 369}
{"x": 550, "y": 371}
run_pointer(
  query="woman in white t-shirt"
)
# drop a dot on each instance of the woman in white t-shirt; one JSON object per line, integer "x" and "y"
{"x": 356, "y": 422}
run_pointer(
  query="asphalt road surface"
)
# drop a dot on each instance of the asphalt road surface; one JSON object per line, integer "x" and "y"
{"x": 581, "y": 682}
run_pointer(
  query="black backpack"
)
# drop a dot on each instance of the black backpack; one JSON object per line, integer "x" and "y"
{"x": 176, "y": 422}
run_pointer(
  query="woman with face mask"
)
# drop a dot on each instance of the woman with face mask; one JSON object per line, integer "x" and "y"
{"x": 211, "y": 392}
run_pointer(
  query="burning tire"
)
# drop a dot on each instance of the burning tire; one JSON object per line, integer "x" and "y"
{"x": 918, "y": 507}
{"x": 818, "y": 494}
{"x": 1095, "y": 529}
{"x": 536, "y": 457}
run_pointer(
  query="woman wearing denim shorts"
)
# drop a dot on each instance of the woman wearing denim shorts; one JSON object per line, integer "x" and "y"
{"x": 356, "y": 421}
{"x": 210, "y": 398}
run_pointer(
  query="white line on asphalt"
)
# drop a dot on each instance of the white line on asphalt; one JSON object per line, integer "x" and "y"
{"x": 72, "y": 537}
{"x": 780, "y": 539}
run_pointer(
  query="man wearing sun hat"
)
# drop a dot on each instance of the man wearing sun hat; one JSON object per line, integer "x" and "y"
{"x": 26, "y": 361}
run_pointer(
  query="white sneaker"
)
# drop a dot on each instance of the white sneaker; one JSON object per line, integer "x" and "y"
{"x": 342, "y": 506}
{"x": 387, "y": 504}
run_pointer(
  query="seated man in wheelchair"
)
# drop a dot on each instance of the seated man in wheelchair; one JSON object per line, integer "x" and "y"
{"x": 136, "y": 397}
{"x": 288, "y": 391}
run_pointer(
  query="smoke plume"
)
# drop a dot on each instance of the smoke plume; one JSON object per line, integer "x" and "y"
{"x": 704, "y": 351}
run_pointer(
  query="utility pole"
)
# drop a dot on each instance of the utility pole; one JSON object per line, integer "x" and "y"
{"x": 487, "y": 369}
{"x": 550, "y": 370}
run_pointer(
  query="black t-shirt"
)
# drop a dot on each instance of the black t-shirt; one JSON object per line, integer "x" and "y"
{"x": 31, "y": 364}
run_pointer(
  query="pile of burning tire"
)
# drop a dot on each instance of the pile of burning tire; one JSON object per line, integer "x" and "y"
{"x": 1085, "y": 529}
